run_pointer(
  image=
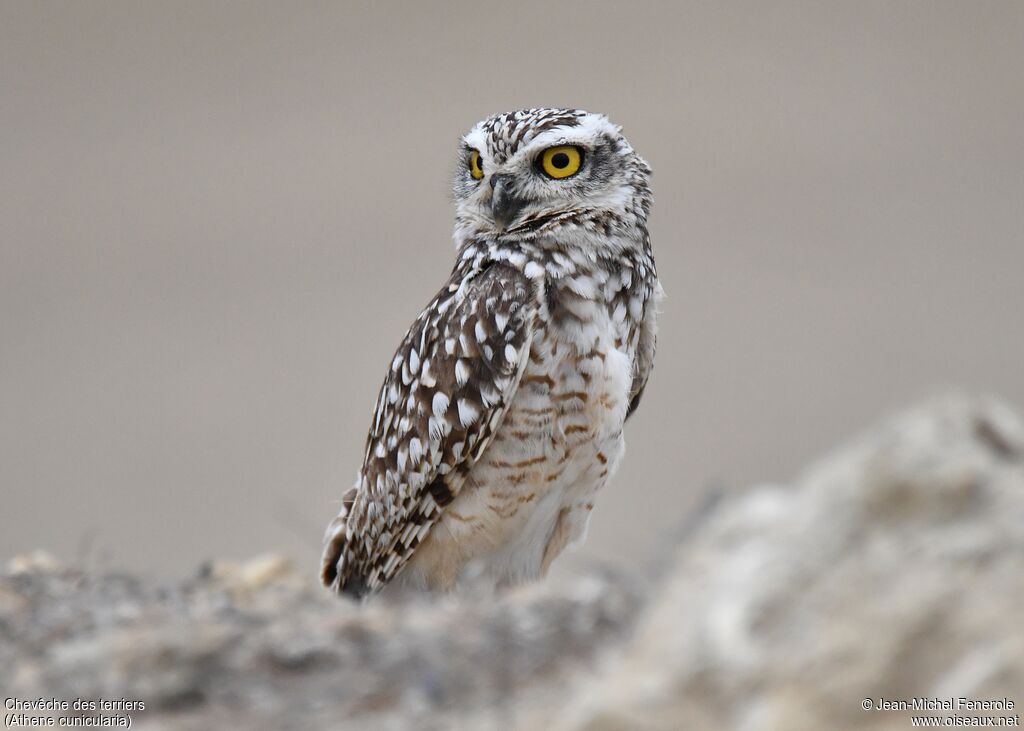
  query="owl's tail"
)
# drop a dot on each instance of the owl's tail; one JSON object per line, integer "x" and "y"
{"x": 332, "y": 571}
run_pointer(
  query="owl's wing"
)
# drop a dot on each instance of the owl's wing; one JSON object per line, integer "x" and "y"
{"x": 647, "y": 343}
{"x": 448, "y": 388}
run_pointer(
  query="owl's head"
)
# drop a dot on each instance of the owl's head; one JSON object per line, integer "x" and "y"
{"x": 541, "y": 172}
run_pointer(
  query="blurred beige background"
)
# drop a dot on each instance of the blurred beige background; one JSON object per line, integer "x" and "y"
{"x": 217, "y": 220}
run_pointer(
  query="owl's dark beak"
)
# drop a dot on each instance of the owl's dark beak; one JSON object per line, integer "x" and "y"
{"x": 505, "y": 206}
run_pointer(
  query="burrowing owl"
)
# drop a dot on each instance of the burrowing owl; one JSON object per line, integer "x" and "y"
{"x": 501, "y": 415}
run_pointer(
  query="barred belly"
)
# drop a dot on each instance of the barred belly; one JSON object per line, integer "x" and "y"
{"x": 531, "y": 493}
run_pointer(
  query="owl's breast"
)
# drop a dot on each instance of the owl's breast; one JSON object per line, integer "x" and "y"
{"x": 557, "y": 445}
{"x": 559, "y": 442}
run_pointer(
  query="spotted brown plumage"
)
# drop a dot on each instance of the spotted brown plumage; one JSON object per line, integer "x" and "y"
{"x": 502, "y": 411}
{"x": 445, "y": 393}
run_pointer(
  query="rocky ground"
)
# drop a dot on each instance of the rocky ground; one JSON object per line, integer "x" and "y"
{"x": 892, "y": 568}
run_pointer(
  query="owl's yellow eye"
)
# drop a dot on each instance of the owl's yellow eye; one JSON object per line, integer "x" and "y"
{"x": 561, "y": 161}
{"x": 476, "y": 167}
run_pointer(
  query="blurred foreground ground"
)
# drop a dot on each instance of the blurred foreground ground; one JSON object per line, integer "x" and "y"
{"x": 893, "y": 567}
